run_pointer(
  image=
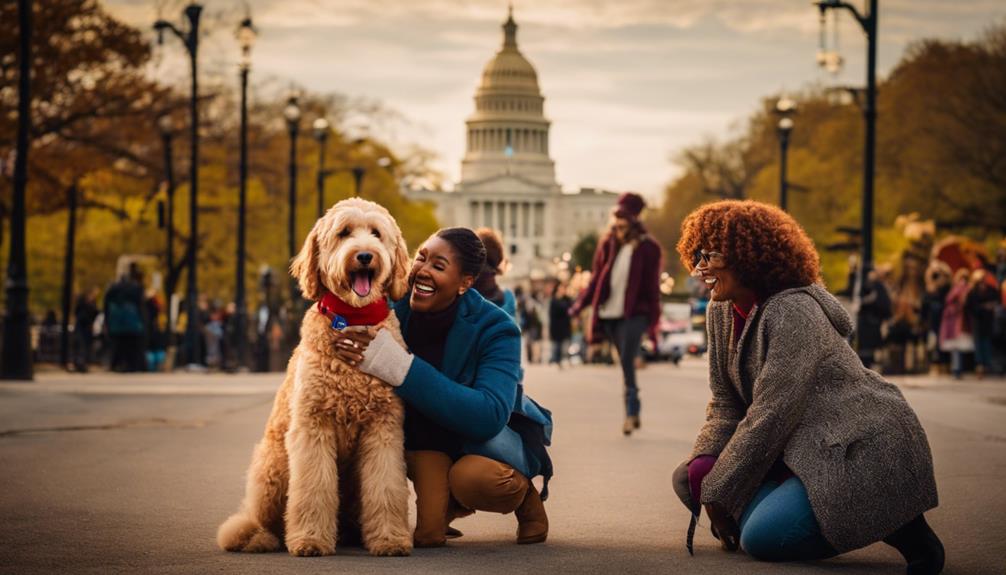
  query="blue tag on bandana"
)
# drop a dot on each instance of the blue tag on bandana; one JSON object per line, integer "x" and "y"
{"x": 339, "y": 322}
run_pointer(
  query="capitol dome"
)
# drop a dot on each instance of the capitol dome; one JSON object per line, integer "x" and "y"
{"x": 509, "y": 70}
{"x": 507, "y": 173}
{"x": 508, "y": 132}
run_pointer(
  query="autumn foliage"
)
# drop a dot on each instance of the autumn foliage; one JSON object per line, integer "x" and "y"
{"x": 95, "y": 111}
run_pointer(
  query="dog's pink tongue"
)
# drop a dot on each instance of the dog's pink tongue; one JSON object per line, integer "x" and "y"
{"x": 361, "y": 284}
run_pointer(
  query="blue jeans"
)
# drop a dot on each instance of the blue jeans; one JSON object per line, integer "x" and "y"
{"x": 779, "y": 525}
{"x": 626, "y": 334}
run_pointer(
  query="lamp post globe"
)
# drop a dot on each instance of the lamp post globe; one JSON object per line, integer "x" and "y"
{"x": 246, "y": 35}
{"x": 165, "y": 125}
{"x": 320, "y": 127}
{"x": 292, "y": 113}
{"x": 785, "y": 106}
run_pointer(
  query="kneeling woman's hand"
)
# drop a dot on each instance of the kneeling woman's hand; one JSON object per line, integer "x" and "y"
{"x": 724, "y": 525}
{"x": 376, "y": 353}
{"x": 354, "y": 341}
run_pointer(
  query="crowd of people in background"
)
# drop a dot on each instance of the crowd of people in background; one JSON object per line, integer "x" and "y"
{"x": 954, "y": 323}
{"x": 126, "y": 329}
{"x": 927, "y": 315}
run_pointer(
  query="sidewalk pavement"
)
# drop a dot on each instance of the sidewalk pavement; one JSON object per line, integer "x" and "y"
{"x": 109, "y": 473}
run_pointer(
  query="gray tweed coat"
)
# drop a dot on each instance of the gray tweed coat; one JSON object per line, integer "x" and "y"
{"x": 793, "y": 387}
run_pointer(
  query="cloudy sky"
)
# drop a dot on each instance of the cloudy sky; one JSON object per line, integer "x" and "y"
{"x": 627, "y": 83}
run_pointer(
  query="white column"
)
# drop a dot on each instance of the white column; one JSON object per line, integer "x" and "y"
{"x": 525, "y": 220}
{"x": 500, "y": 217}
{"x": 512, "y": 231}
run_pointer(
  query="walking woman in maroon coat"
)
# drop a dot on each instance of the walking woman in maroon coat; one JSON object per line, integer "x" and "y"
{"x": 624, "y": 292}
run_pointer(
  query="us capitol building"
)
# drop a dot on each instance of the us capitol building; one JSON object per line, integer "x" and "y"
{"x": 507, "y": 176}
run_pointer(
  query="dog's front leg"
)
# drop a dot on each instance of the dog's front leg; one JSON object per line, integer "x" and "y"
{"x": 313, "y": 506}
{"x": 384, "y": 490}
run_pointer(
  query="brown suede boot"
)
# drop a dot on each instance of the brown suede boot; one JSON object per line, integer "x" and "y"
{"x": 532, "y": 522}
{"x": 428, "y": 471}
{"x": 456, "y": 511}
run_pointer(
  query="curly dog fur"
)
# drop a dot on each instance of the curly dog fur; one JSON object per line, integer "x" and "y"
{"x": 331, "y": 465}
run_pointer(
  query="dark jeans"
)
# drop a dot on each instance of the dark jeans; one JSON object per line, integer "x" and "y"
{"x": 627, "y": 334}
{"x": 83, "y": 346}
{"x": 559, "y": 350}
{"x": 127, "y": 353}
{"x": 983, "y": 351}
{"x": 779, "y": 525}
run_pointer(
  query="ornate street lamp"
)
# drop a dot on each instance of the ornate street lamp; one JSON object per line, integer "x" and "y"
{"x": 784, "y": 108}
{"x": 246, "y": 38}
{"x": 16, "y": 355}
{"x": 321, "y": 128}
{"x": 868, "y": 22}
{"x": 190, "y": 39}
{"x": 292, "y": 115}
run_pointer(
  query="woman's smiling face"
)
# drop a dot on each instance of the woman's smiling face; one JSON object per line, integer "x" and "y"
{"x": 711, "y": 268}
{"x": 436, "y": 277}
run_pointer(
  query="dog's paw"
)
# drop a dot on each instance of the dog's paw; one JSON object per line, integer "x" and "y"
{"x": 262, "y": 542}
{"x": 306, "y": 547}
{"x": 241, "y": 534}
{"x": 391, "y": 547}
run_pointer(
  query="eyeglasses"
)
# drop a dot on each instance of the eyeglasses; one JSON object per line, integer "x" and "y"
{"x": 710, "y": 259}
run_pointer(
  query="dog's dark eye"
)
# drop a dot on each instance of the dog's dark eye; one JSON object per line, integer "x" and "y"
{"x": 376, "y": 233}
{"x": 344, "y": 233}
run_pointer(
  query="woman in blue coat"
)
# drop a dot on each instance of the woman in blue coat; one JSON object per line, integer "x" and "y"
{"x": 473, "y": 441}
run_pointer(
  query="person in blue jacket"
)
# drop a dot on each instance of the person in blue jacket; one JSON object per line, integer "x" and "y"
{"x": 473, "y": 440}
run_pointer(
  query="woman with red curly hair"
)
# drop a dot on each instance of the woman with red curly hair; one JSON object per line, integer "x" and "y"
{"x": 804, "y": 453}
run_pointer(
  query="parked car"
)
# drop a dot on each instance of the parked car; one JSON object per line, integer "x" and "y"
{"x": 676, "y": 335}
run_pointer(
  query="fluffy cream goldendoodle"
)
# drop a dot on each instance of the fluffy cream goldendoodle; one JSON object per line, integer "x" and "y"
{"x": 331, "y": 464}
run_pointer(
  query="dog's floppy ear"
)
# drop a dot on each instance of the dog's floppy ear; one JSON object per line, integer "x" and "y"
{"x": 398, "y": 282}
{"x": 304, "y": 267}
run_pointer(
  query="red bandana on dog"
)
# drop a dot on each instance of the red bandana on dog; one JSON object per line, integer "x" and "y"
{"x": 342, "y": 314}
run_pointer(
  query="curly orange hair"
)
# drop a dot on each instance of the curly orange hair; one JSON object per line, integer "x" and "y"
{"x": 763, "y": 245}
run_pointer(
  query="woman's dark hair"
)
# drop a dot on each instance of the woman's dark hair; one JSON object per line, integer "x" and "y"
{"x": 467, "y": 247}
{"x": 485, "y": 283}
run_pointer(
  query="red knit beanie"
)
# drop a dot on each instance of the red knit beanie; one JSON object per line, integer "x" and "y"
{"x": 629, "y": 206}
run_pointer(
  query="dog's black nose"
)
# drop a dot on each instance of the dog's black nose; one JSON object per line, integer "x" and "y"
{"x": 364, "y": 258}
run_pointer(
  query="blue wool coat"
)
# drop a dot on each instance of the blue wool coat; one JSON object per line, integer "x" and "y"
{"x": 479, "y": 392}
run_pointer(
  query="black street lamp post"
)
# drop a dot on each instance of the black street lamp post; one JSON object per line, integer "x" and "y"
{"x": 165, "y": 126}
{"x": 784, "y": 108}
{"x": 71, "y": 241}
{"x": 869, "y": 24}
{"x": 246, "y": 37}
{"x": 358, "y": 173}
{"x": 190, "y": 39}
{"x": 321, "y": 127}
{"x": 16, "y": 355}
{"x": 784, "y": 129}
{"x": 292, "y": 115}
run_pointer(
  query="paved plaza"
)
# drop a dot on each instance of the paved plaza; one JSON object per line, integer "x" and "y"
{"x": 110, "y": 473}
